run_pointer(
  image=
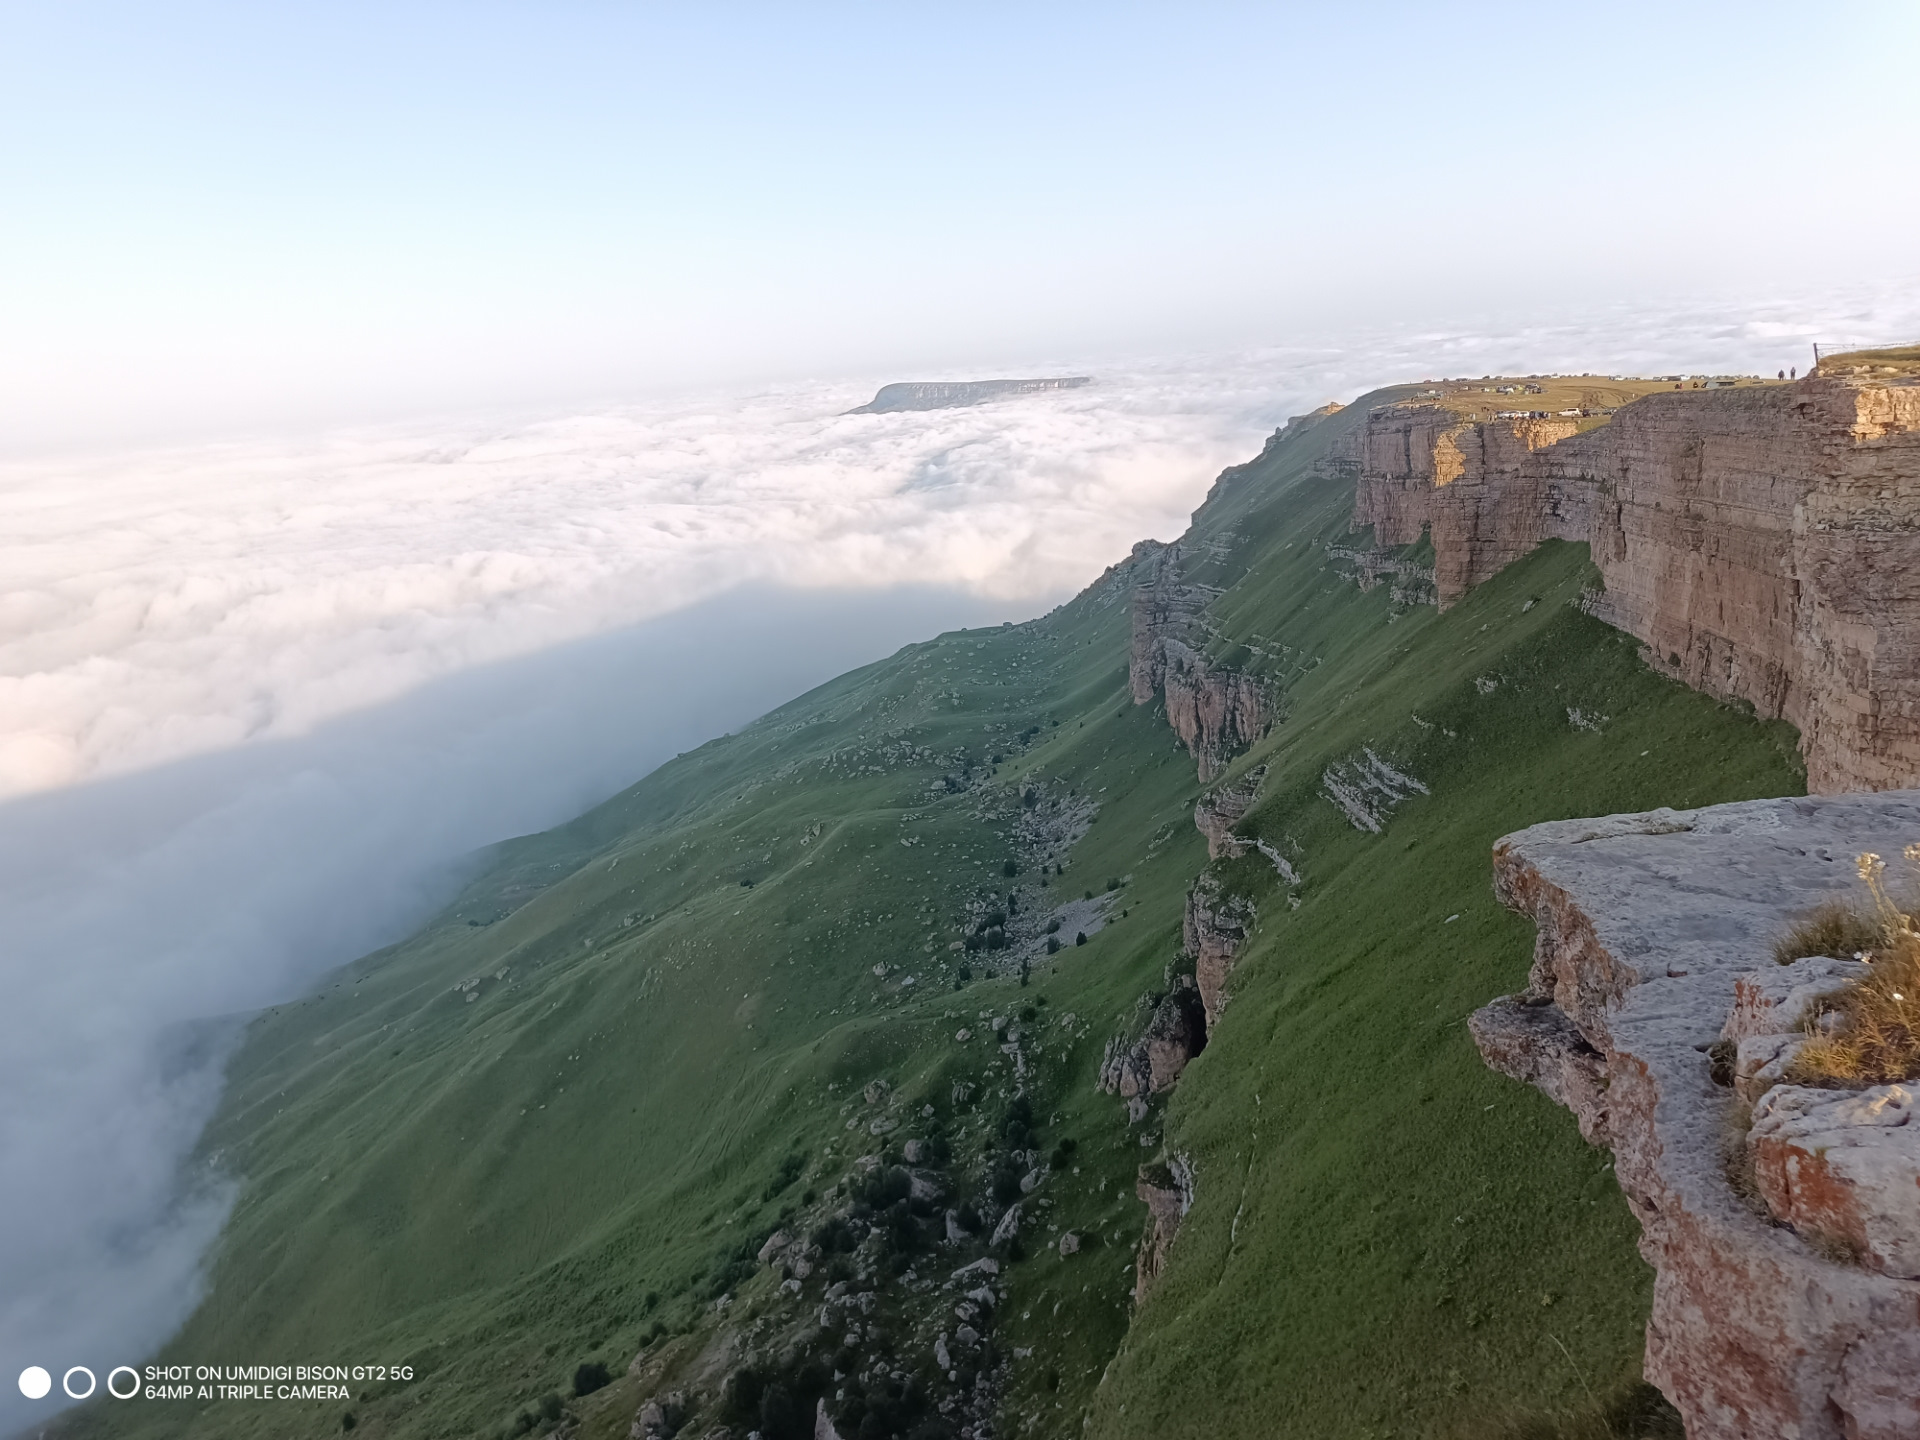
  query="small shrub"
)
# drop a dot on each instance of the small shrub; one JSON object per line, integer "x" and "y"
{"x": 1053, "y": 945}
{"x": 550, "y": 1406}
{"x": 1113, "y": 884}
{"x": 1009, "y": 868}
{"x": 1080, "y": 938}
{"x": 591, "y": 1376}
{"x": 347, "y": 1422}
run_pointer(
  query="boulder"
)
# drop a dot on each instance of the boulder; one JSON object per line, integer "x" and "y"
{"x": 1844, "y": 1165}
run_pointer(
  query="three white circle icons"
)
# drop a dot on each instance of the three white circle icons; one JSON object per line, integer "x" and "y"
{"x": 79, "y": 1382}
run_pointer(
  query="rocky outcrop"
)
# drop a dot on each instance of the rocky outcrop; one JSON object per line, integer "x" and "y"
{"x": 1218, "y": 812}
{"x": 1783, "y": 1304}
{"x": 1213, "y": 930}
{"x": 1764, "y": 542}
{"x": 1167, "y": 1189}
{"x": 949, "y": 394}
{"x": 1174, "y": 1035}
{"x": 1843, "y": 1167}
{"x": 1216, "y": 712}
{"x": 1410, "y": 582}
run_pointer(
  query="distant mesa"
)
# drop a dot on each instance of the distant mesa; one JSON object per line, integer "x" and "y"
{"x": 948, "y": 394}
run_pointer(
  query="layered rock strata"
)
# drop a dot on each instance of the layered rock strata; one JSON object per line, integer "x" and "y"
{"x": 1216, "y": 712}
{"x": 1783, "y": 1299}
{"x": 1763, "y": 542}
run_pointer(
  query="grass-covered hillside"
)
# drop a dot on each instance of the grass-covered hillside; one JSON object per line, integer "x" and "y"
{"x": 800, "y": 983}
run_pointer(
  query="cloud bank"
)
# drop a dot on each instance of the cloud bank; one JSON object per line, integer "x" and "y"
{"x": 256, "y": 700}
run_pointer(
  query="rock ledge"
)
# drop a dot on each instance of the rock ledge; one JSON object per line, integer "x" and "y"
{"x": 1655, "y": 933}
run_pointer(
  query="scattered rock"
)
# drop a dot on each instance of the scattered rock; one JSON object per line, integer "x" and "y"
{"x": 1069, "y": 1244}
{"x": 1008, "y": 1227}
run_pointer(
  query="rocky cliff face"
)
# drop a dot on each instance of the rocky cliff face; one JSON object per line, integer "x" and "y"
{"x": 1763, "y": 542}
{"x": 1176, "y": 1032}
{"x": 1216, "y": 712}
{"x": 1785, "y": 1302}
{"x": 1213, "y": 930}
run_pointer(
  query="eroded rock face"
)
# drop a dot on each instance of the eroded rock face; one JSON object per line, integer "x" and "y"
{"x": 1648, "y": 925}
{"x": 1213, "y": 930}
{"x": 1764, "y": 543}
{"x": 1153, "y": 1063}
{"x": 1167, "y": 1190}
{"x": 1217, "y": 813}
{"x": 1216, "y": 712}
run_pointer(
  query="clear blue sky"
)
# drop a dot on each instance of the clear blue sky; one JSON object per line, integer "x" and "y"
{"x": 219, "y": 215}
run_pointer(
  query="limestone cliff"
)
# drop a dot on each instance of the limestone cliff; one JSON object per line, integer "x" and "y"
{"x": 1785, "y": 1301}
{"x": 1764, "y": 542}
{"x": 1216, "y": 712}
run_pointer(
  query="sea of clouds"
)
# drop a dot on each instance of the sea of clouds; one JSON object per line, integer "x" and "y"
{"x": 257, "y": 699}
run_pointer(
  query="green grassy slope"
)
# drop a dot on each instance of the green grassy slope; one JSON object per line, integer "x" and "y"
{"x": 546, "y": 1129}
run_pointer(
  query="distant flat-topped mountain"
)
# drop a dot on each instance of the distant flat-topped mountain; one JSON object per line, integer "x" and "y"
{"x": 946, "y": 394}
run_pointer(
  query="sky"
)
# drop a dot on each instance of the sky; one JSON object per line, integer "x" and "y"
{"x": 223, "y": 216}
{"x": 416, "y": 421}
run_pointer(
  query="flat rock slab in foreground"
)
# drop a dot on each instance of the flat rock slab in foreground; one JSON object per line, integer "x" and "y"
{"x": 1760, "y": 1330}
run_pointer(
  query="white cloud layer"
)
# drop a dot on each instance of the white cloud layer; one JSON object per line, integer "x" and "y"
{"x": 257, "y": 699}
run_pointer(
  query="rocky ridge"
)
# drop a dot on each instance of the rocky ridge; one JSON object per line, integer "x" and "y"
{"x": 1786, "y": 1299}
{"x": 1760, "y": 541}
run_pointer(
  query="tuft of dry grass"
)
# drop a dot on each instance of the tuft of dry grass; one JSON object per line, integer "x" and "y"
{"x": 1871, "y": 1034}
{"x": 1837, "y": 928}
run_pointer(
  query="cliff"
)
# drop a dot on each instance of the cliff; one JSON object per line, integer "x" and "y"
{"x": 1216, "y": 712}
{"x": 1761, "y": 541}
{"x": 949, "y": 394}
{"x": 1787, "y": 1297}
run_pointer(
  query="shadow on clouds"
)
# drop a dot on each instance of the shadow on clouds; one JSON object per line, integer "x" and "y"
{"x": 145, "y": 916}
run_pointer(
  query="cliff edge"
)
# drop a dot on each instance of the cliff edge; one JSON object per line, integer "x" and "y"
{"x": 1774, "y": 1313}
{"x": 1759, "y": 540}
